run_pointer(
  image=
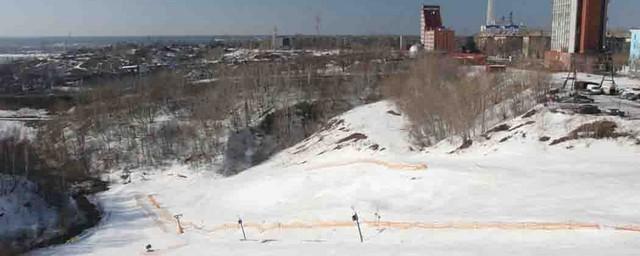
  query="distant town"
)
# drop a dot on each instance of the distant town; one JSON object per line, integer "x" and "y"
{"x": 514, "y": 140}
{"x": 579, "y": 39}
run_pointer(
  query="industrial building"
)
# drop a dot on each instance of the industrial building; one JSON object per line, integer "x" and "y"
{"x": 578, "y": 31}
{"x": 505, "y": 26}
{"x": 535, "y": 44}
{"x": 634, "y": 51}
{"x": 504, "y": 39}
{"x": 618, "y": 41}
{"x": 500, "y": 46}
{"x": 434, "y": 36}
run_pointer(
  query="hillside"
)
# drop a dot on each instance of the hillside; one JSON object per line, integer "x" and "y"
{"x": 510, "y": 192}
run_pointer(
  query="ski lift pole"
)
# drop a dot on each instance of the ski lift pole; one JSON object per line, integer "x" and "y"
{"x": 244, "y": 235}
{"x": 357, "y": 221}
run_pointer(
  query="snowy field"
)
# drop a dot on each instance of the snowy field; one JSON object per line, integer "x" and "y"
{"x": 520, "y": 196}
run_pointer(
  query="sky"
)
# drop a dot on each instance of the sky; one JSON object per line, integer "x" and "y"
{"x": 20, "y": 18}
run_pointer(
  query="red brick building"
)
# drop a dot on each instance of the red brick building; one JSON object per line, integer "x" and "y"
{"x": 433, "y": 35}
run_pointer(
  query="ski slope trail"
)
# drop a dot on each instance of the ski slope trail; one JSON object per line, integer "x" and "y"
{"x": 515, "y": 196}
{"x": 402, "y": 225}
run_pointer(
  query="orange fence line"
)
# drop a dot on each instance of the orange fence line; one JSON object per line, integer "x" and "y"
{"x": 394, "y": 166}
{"x": 153, "y": 201}
{"x": 149, "y": 213}
{"x": 417, "y": 225}
{"x": 630, "y": 228}
{"x": 263, "y": 227}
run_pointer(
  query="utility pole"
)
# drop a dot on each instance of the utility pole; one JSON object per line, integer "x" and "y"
{"x": 572, "y": 76}
{"x": 609, "y": 74}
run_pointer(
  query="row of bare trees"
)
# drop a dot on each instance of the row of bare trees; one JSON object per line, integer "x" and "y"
{"x": 160, "y": 118}
{"x": 14, "y": 163}
{"x": 443, "y": 99}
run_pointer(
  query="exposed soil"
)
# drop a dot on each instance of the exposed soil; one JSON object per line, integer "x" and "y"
{"x": 391, "y": 112}
{"x": 353, "y": 138}
{"x": 530, "y": 114}
{"x": 499, "y": 128}
{"x": 522, "y": 125}
{"x": 595, "y": 130}
{"x": 466, "y": 144}
{"x": 505, "y": 139}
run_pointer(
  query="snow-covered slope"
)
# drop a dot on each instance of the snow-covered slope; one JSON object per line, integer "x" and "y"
{"x": 519, "y": 196}
{"x": 25, "y": 217}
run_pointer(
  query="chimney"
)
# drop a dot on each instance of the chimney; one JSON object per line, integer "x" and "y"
{"x": 274, "y": 38}
{"x": 491, "y": 20}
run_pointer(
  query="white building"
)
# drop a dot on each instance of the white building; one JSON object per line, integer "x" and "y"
{"x": 634, "y": 51}
{"x": 565, "y": 26}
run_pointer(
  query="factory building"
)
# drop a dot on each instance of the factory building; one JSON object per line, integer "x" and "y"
{"x": 504, "y": 39}
{"x": 503, "y": 27}
{"x": 535, "y": 44}
{"x": 434, "y": 36}
{"x": 578, "y": 31}
{"x": 439, "y": 40}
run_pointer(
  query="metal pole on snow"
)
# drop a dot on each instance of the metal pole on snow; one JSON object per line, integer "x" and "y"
{"x": 244, "y": 235}
{"x": 357, "y": 221}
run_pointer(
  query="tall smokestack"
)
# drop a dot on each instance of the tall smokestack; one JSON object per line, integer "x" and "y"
{"x": 274, "y": 38}
{"x": 491, "y": 20}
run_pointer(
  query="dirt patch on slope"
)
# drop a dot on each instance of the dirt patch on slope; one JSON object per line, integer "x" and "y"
{"x": 499, "y": 128}
{"x": 530, "y": 113}
{"x": 595, "y": 130}
{"x": 353, "y": 138}
{"x": 391, "y": 112}
{"x": 522, "y": 125}
{"x": 465, "y": 145}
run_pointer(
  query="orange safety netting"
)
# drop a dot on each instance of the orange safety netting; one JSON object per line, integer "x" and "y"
{"x": 263, "y": 227}
{"x": 393, "y": 166}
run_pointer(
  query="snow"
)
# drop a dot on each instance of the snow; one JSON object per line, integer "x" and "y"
{"x": 205, "y": 81}
{"x": 16, "y": 217}
{"x": 4, "y": 57}
{"x": 521, "y": 197}
{"x": 319, "y": 53}
{"x": 23, "y": 112}
{"x": 17, "y": 130}
{"x": 12, "y": 125}
{"x": 26, "y": 218}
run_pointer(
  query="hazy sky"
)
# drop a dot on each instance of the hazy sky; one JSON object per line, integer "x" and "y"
{"x": 239, "y": 17}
